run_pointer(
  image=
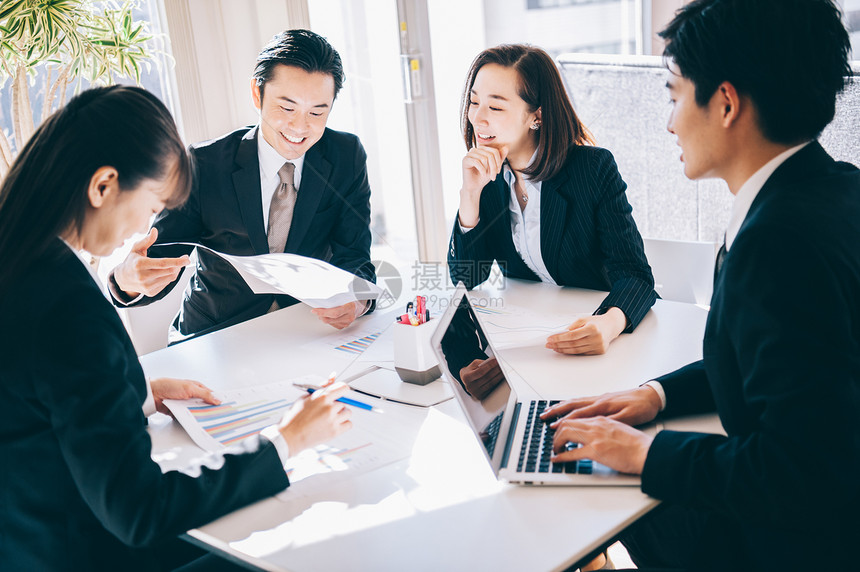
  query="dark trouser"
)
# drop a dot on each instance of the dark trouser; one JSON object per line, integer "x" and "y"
{"x": 678, "y": 538}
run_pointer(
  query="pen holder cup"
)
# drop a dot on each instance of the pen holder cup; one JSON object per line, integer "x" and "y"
{"x": 414, "y": 360}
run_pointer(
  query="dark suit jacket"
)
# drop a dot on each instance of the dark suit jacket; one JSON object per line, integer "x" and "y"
{"x": 587, "y": 234}
{"x": 782, "y": 367}
{"x": 78, "y": 487}
{"x": 331, "y": 222}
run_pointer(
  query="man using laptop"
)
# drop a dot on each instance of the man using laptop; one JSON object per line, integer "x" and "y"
{"x": 752, "y": 85}
{"x": 288, "y": 184}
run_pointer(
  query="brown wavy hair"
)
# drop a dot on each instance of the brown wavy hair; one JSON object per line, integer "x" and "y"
{"x": 541, "y": 87}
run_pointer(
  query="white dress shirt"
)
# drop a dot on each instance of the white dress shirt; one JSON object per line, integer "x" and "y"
{"x": 740, "y": 208}
{"x": 270, "y": 163}
{"x": 525, "y": 224}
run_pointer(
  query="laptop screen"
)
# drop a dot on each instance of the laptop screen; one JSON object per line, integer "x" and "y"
{"x": 476, "y": 376}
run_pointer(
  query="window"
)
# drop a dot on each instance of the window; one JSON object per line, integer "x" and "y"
{"x": 851, "y": 15}
{"x": 371, "y": 106}
{"x": 155, "y": 78}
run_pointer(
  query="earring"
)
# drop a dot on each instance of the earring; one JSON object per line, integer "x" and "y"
{"x": 535, "y": 126}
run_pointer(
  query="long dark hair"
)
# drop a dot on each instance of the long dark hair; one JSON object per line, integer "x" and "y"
{"x": 45, "y": 192}
{"x": 540, "y": 86}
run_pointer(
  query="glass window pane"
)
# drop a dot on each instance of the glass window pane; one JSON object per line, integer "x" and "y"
{"x": 371, "y": 106}
{"x": 155, "y": 76}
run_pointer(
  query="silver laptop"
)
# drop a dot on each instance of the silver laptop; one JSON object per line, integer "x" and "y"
{"x": 517, "y": 444}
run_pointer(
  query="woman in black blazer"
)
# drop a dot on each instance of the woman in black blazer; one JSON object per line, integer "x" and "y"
{"x": 78, "y": 486}
{"x": 541, "y": 200}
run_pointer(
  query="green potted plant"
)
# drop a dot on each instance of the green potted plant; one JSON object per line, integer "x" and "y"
{"x": 58, "y": 42}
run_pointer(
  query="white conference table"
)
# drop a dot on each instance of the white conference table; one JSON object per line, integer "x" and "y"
{"x": 441, "y": 508}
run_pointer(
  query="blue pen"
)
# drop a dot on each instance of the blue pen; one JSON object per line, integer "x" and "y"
{"x": 345, "y": 400}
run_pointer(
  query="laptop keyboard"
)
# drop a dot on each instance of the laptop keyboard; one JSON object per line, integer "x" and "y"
{"x": 490, "y": 435}
{"x": 536, "y": 447}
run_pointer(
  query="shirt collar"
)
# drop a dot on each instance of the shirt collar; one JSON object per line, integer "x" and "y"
{"x": 271, "y": 161}
{"x": 84, "y": 260}
{"x": 508, "y": 173}
{"x": 750, "y": 189}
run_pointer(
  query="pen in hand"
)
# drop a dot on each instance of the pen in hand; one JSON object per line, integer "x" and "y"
{"x": 311, "y": 388}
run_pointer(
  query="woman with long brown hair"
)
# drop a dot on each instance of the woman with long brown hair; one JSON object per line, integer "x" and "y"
{"x": 542, "y": 200}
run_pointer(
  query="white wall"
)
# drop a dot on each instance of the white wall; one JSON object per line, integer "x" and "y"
{"x": 559, "y": 29}
{"x": 215, "y": 44}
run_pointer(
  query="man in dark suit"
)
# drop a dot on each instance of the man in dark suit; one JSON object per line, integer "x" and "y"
{"x": 753, "y": 84}
{"x": 288, "y": 184}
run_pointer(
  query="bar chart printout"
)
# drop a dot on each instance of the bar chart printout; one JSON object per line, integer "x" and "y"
{"x": 241, "y": 414}
{"x": 231, "y": 422}
{"x": 244, "y": 412}
{"x": 375, "y": 440}
{"x": 358, "y": 345}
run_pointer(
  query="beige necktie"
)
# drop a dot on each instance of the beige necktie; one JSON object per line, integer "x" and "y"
{"x": 281, "y": 209}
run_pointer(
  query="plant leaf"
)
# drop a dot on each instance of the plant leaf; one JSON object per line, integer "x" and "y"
{"x": 10, "y": 8}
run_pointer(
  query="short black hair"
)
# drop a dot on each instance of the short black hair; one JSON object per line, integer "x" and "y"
{"x": 303, "y": 49}
{"x": 790, "y": 57}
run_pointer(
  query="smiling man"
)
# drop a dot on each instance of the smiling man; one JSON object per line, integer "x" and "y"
{"x": 753, "y": 84}
{"x": 288, "y": 184}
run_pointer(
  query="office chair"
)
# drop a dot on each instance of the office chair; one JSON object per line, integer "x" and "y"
{"x": 683, "y": 271}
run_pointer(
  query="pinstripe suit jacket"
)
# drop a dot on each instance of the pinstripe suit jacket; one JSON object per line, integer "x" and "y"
{"x": 588, "y": 236}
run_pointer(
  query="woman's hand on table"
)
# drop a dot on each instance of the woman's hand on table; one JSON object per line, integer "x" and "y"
{"x": 590, "y": 335}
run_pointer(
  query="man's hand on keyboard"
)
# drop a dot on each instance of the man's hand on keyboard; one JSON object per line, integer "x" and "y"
{"x": 615, "y": 444}
{"x": 633, "y": 407}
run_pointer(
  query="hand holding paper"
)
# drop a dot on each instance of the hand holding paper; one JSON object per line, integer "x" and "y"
{"x": 171, "y": 388}
{"x": 139, "y": 274}
{"x": 340, "y": 316}
{"x": 315, "y": 282}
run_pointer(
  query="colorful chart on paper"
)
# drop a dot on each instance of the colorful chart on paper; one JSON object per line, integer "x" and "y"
{"x": 358, "y": 346}
{"x": 241, "y": 414}
{"x": 377, "y": 438}
{"x": 233, "y": 421}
